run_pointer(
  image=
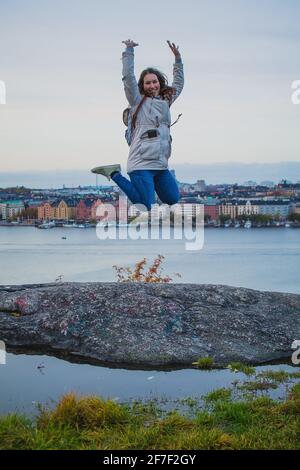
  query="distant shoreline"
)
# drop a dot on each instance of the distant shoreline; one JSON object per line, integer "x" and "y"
{"x": 210, "y": 226}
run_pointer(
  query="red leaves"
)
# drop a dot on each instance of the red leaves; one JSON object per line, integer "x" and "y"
{"x": 154, "y": 273}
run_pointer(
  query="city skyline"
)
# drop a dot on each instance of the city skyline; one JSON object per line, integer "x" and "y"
{"x": 64, "y": 94}
{"x": 226, "y": 173}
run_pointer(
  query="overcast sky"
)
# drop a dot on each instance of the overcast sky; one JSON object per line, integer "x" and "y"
{"x": 60, "y": 61}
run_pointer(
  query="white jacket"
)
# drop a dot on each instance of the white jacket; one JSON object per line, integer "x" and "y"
{"x": 149, "y": 153}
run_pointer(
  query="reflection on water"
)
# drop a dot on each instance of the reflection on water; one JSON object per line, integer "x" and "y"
{"x": 30, "y": 379}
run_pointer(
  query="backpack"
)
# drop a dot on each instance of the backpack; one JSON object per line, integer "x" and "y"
{"x": 129, "y": 120}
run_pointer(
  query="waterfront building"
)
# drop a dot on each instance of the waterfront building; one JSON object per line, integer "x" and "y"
{"x": 67, "y": 208}
{"x": 84, "y": 209}
{"x": 211, "y": 208}
{"x": 187, "y": 209}
{"x": 59, "y": 210}
{"x": 10, "y": 209}
{"x": 275, "y": 208}
{"x": 295, "y": 208}
{"x": 247, "y": 208}
{"x": 3, "y": 210}
{"x": 230, "y": 209}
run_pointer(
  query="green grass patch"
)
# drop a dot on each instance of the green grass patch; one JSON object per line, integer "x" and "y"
{"x": 205, "y": 363}
{"x": 240, "y": 367}
{"x": 279, "y": 376}
{"x": 223, "y": 394}
{"x": 257, "y": 385}
{"x": 91, "y": 422}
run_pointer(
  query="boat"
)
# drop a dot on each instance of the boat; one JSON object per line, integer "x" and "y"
{"x": 287, "y": 225}
{"x": 237, "y": 225}
{"x": 46, "y": 225}
{"x": 248, "y": 224}
{"x": 74, "y": 225}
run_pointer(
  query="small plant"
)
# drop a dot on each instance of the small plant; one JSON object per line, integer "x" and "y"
{"x": 154, "y": 273}
{"x": 204, "y": 363}
{"x": 258, "y": 385}
{"x": 240, "y": 367}
{"x": 89, "y": 412}
{"x": 274, "y": 375}
{"x": 223, "y": 394}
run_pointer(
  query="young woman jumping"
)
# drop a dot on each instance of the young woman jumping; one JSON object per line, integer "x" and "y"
{"x": 150, "y": 144}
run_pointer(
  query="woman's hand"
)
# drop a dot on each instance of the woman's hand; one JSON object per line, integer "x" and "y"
{"x": 130, "y": 43}
{"x": 174, "y": 49}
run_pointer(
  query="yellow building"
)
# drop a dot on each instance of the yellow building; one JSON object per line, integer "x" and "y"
{"x": 59, "y": 210}
{"x": 45, "y": 211}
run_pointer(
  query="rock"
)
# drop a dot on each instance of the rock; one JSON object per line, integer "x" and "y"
{"x": 150, "y": 324}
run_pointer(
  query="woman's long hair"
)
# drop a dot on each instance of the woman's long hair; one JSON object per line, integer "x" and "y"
{"x": 165, "y": 90}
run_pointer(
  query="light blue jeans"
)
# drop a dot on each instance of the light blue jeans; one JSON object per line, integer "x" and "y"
{"x": 144, "y": 183}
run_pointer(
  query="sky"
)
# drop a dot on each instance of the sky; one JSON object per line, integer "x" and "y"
{"x": 61, "y": 65}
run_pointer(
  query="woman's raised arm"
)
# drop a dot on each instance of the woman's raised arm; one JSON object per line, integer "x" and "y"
{"x": 130, "y": 83}
{"x": 178, "y": 75}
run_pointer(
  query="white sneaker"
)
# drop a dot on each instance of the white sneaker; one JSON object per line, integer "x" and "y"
{"x": 106, "y": 170}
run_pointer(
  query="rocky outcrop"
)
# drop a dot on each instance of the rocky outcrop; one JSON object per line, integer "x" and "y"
{"x": 150, "y": 324}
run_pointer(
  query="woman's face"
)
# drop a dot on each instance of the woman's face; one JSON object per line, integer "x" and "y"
{"x": 151, "y": 85}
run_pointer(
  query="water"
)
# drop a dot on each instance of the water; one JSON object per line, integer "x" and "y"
{"x": 264, "y": 259}
{"x": 30, "y": 379}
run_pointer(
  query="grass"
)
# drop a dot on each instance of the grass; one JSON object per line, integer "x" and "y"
{"x": 240, "y": 367}
{"x": 204, "y": 363}
{"x": 220, "y": 423}
{"x": 221, "y": 394}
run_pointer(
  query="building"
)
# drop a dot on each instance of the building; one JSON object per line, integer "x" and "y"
{"x": 188, "y": 209}
{"x": 274, "y": 208}
{"x": 84, "y": 209}
{"x": 229, "y": 209}
{"x": 211, "y": 209}
{"x": 45, "y": 211}
{"x": 10, "y": 209}
{"x": 295, "y": 208}
{"x": 200, "y": 186}
{"x": 3, "y": 210}
{"x": 59, "y": 210}
{"x": 247, "y": 208}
